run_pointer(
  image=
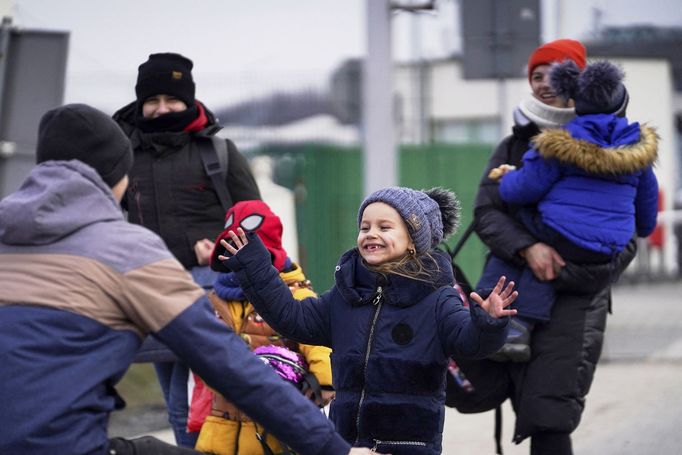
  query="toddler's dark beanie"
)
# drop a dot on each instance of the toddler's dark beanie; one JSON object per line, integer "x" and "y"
{"x": 81, "y": 132}
{"x": 596, "y": 89}
{"x": 166, "y": 73}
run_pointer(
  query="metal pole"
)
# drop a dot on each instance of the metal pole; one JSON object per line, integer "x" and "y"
{"x": 417, "y": 84}
{"x": 379, "y": 155}
{"x": 5, "y": 33}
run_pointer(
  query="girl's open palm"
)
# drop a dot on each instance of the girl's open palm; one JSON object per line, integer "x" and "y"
{"x": 499, "y": 299}
{"x": 239, "y": 242}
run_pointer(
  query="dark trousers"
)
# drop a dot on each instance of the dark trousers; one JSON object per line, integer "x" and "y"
{"x": 146, "y": 445}
{"x": 536, "y": 298}
{"x": 550, "y": 443}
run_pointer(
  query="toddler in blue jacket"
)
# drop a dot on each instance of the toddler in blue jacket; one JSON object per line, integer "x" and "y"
{"x": 392, "y": 319}
{"x": 586, "y": 189}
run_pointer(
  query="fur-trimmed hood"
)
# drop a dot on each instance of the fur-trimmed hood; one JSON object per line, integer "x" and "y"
{"x": 594, "y": 158}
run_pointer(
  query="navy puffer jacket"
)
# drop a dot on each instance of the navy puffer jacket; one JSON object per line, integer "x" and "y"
{"x": 391, "y": 339}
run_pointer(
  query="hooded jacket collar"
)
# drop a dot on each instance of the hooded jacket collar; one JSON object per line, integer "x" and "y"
{"x": 57, "y": 199}
{"x": 600, "y": 144}
{"x": 358, "y": 285}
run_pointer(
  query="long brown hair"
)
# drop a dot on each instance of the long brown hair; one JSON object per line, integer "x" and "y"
{"x": 410, "y": 265}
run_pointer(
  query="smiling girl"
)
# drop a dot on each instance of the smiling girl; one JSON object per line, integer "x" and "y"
{"x": 392, "y": 319}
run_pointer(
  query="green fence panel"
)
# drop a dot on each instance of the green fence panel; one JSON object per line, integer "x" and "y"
{"x": 457, "y": 168}
{"x": 328, "y": 184}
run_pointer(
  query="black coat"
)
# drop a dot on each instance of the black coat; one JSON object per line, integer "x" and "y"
{"x": 494, "y": 218}
{"x": 169, "y": 191}
{"x": 548, "y": 392}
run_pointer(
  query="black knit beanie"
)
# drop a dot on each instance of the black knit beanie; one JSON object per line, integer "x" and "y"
{"x": 597, "y": 89}
{"x": 168, "y": 74}
{"x": 80, "y": 132}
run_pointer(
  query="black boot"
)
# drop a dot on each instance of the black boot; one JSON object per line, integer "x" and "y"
{"x": 517, "y": 346}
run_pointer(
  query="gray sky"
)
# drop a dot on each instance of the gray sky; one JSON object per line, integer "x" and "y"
{"x": 246, "y": 48}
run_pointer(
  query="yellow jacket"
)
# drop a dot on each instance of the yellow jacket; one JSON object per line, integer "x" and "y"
{"x": 235, "y": 312}
{"x": 231, "y": 432}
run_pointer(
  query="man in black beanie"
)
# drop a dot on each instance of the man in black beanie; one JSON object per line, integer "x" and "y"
{"x": 81, "y": 287}
{"x": 171, "y": 193}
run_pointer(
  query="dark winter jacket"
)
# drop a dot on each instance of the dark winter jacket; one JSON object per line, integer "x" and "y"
{"x": 170, "y": 192}
{"x": 495, "y": 219}
{"x": 390, "y": 337}
{"x": 80, "y": 288}
{"x": 592, "y": 181}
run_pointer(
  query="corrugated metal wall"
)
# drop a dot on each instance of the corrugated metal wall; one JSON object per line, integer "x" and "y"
{"x": 327, "y": 181}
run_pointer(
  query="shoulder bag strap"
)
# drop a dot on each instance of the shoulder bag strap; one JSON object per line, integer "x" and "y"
{"x": 211, "y": 151}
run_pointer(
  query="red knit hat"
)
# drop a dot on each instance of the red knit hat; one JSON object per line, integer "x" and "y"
{"x": 558, "y": 51}
{"x": 252, "y": 216}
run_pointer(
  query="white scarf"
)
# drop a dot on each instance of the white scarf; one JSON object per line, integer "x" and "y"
{"x": 533, "y": 110}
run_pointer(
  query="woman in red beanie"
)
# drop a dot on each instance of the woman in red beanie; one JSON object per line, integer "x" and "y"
{"x": 548, "y": 388}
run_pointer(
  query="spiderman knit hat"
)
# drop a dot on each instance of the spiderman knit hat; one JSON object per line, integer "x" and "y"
{"x": 430, "y": 215}
{"x": 252, "y": 216}
{"x": 557, "y": 51}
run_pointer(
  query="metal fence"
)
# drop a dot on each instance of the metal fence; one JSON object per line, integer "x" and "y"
{"x": 659, "y": 257}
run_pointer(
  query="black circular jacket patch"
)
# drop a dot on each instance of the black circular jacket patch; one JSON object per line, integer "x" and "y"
{"x": 402, "y": 334}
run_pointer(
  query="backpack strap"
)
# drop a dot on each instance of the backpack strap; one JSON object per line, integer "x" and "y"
{"x": 262, "y": 439}
{"x": 498, "y": 429}
{"x": 220, "y": 147}
{"x": 214, "y": 156}
{"x": 460, "y": 243}
{"x": 311, "y": 383}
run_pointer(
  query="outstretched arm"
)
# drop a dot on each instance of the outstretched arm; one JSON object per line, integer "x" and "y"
{"x": 531, "y": 182}
{"x": 479, "y": 330}
{"x": 225, "y": 363}
{"x": 305, "y": 321}
{"x": 240, "y": 241}
{"x": 498, "y": 300}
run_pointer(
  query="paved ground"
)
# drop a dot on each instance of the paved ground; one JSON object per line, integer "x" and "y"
{"x": 635, "y": 405}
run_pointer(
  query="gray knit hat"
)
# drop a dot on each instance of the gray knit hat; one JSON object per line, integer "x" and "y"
{"x": 430, "y": 215}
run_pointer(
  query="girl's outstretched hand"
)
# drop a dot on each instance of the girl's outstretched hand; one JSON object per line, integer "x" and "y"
{"x": 239, "y": 242}
{"x": 500, "y": 298}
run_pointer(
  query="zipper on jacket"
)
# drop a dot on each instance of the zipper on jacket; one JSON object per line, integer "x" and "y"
{"x": 378, "y": 442}
{"x": 378, "y": 300}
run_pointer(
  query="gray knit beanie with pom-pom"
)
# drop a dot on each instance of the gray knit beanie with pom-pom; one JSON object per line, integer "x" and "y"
{"x": 430, "y": 215}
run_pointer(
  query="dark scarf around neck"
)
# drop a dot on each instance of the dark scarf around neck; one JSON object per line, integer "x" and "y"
{"x": 191, "y": 119}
